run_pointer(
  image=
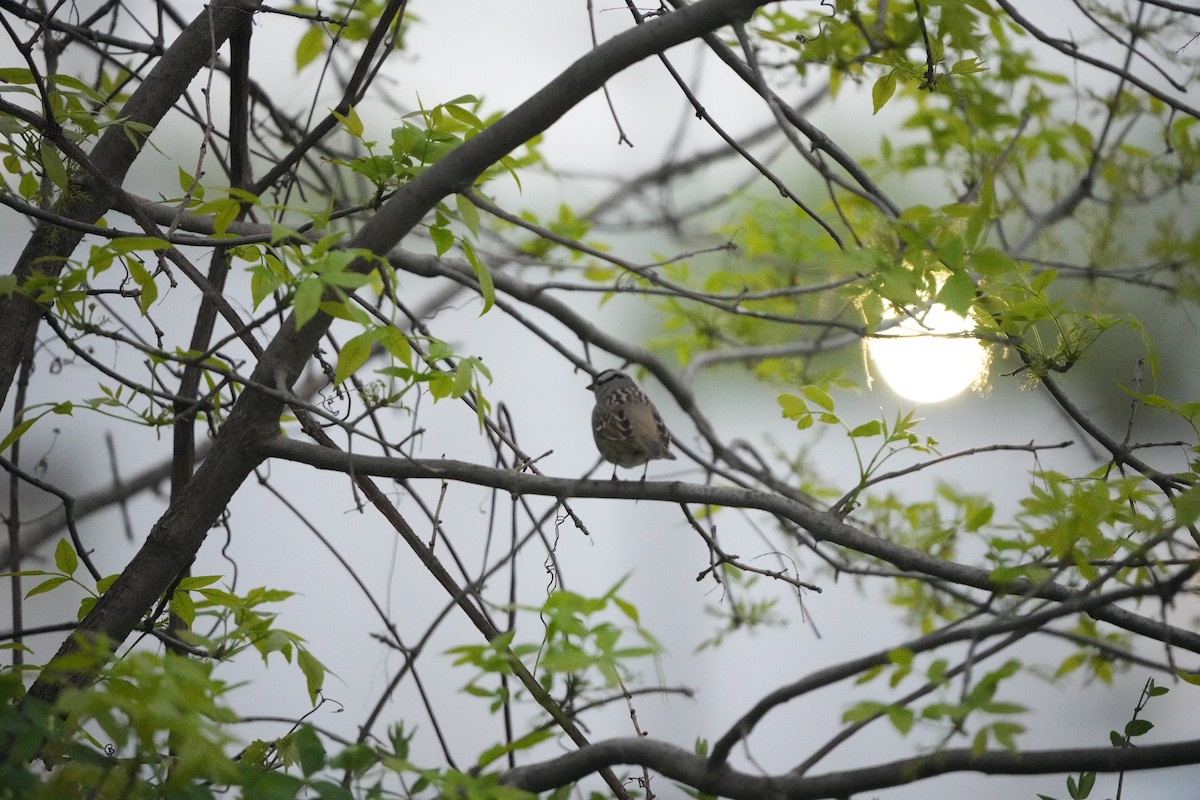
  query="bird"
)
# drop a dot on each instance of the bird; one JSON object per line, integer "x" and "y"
{"x": 626, "y": 426}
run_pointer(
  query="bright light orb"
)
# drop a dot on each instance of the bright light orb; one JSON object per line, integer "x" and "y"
{"x": 924, "y": 362}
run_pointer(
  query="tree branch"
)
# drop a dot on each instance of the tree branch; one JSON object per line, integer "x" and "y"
{"x": 691, "y": 769}
{"x": 823, "y": 526}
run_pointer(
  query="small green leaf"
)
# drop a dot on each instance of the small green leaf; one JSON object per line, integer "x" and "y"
{"x": 314, "y": 671}
{"x": 1079, "y": 790}
{"x": 793, "y": 407}
{"x": 957, "y": 293}
{"x": 52, "y": 163}
{"x": 469, "y": 213}
{"x": 818, "y": 396}
{"x": 486, "y": 288}
{"x": 991, "y": 262}
{"x": 442, "y": 239}
{"x": 397, "y": 344}
{"x": 65, "y": 558}
{"x": 353, "y": 355}
{"x": 17, "y": 75}
{"x": 524, "y": 743}
{"x": 309, "y": 749}
{"x": 28, "y": 187}
{"x": 463, "y": 115}
{"x": 46, "y": 586}
{"x": 1043, "y": 279}
{"x": 1188, "y": 677}
{"x": 188, "y": 184}
{"x": 979, "y": 743}
{"x": 129, "y": 244}
{"x": 1138, "y": 727}
{"x": 194, "y": 582}
{"x": 145, "y": 281}
{"x": 883, "y": 90}
{"x": 901, "y": 718}
{"x": 307, "y": 301}
{"x": 183, "y": 607}
{"x": 872, "y": 428}
{"x": 864, "y": 710}
{"x": 311, "y": 45}
{"x": 1187, "y": 507}
{"x": 350, "y": 121}
{"x": 17, "y": 432}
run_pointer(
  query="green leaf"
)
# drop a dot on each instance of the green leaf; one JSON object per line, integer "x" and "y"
{"x": 1006, "y": 732}
{"x": 1079, "y": 790}
{"x": 353, "y": 355}
{"x": 47, "y": 585}
{"x": 1042, "y": 280}
{"x": 262, "y": 283}
{"x": 1188, "y": 677}
{"x": 183, "y": 607}
{"x": 469, "y": 213}
{"x": 1070, "y": 664}
{"x": 397, "y": 344}
{"x": 818, "y": 396}
{"x": 188, "y": 184}
{"x": 311, "y": 45}
{"x": 28, "y": 187}
{"x": 52, "y": 163}
{"x": 309, "y": 749}
{"x": 901, "y": 718}
{"x": 145, "y": 281}
{"x": 129, "y": 244}
{"x": 454, "y": 109}
{"x": 193, "y": 582}
{"x": 17, "y": 75}
{"x": 1138, "y": 727}
{"x": 17, "y": 432}
{"x": 967, "y": 66}
{"x": 314, "y": 671}
{"x": 350, "y": 121}
{"x": 65, "y": 558}
{"x": 486, "y": 288}
{"x": 1187, "y": 507}
{"x": 793, "y": 407}
{"x": 883, "y": 90}
{"x": 864, "y": 710}
{"x": 992, "y": 263}
{"x": 442, "y": 239}
{"x": 872, "y": 428}
{"x": 524, "y": 743}
{"x": 957, "y": 293}
{"x": 307, "y": 301}
{"x": 979, "y": 742}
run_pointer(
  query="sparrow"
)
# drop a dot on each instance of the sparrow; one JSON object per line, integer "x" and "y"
{"x": 626, "y": 426}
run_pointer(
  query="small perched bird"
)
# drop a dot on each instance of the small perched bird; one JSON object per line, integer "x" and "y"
{"x": 625, "y": 424}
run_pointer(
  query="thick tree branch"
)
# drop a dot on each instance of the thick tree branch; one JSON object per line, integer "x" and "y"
{"x": 823, "y": 526}
{"x": 692, "y": 770}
